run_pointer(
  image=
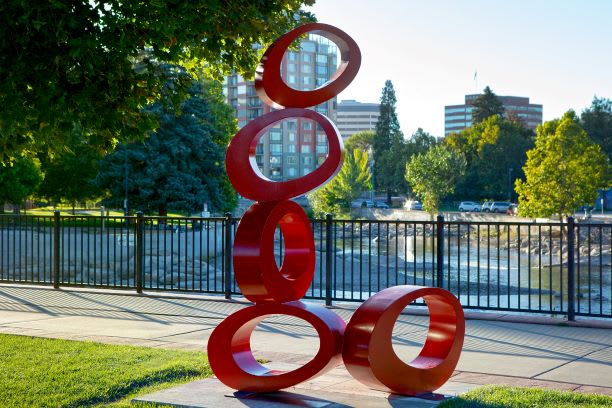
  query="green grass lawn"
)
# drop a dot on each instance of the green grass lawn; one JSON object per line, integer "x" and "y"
{"x": 502, "y": 397}
{"x": 36, "y": 372}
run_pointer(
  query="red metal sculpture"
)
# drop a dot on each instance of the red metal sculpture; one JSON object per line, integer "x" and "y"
{"x": 366, "y": 344}
{"x": 368, "y": 352}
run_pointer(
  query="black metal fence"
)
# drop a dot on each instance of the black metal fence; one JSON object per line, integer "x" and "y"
{"x": 552, "y": 268}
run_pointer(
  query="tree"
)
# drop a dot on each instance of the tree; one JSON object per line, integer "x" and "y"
{"x": 336, "y": 196}
{"x": 491, "y": 149}
{"x": 388, "y": 145}
{"x": 69, "y": 176}
{"x": 363, "y": 140}
{"x": 432, "y": 175}
{"x": 182, "y": 164}
{"x": 564, "y": 170}
{"x": 96, "y": 64}
{"x": 486, "y": 105}
{"x": 597, "y": 122}
{"x": 18, "y": 181}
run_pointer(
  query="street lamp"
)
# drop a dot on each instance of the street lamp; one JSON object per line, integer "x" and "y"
{"x": 510, "y": 184}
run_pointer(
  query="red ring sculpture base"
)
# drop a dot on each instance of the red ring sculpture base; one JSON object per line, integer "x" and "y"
{"x": 231, "y": 359}
{"x": 368, "y": 351}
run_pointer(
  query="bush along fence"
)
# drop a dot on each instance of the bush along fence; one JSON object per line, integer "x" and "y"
{"x": 551, "y": 268}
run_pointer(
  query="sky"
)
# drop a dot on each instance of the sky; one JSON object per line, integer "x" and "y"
{"x": 556, "y": 52}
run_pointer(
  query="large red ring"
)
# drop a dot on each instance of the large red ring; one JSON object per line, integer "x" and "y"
{"x": 255, "y": 269}
{"x": 270, "y": 85}
{"x": 250, "y": 183}
{"x": 231, "y": 359}
{"x": 368, "y": 350}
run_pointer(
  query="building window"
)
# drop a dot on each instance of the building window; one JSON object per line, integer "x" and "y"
{"x": 306, "y": 57}
{"x": 276, "y": 148}
{"x": 291, "y": 148}
{"x": 292, "y": 137}
{"x": 307, "y": 138}
{"x": 291, "y": 67}
{"x": 321, "y": 138}
{"x": 291, "y": 172}
{"x": 305, "y": 170}
{"x": 292, "y": 56}
{"x": 307, "y": 125}
{"x": 291, "y": 159}
{"x": 306, "y": 80}
{"x": 305, "y": 148}
{"x": 306, "y": 69}
{"x": 321, "y": 59}
{"x": 275, "y": 135}
{"x": 306, "y": 160}
{"x": 322, "y": 149}
{"x": 291, "y": 79}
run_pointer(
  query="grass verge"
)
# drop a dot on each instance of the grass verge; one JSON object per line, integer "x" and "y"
{"x": 511, "y": 397}
{"x": 36, "y": 372}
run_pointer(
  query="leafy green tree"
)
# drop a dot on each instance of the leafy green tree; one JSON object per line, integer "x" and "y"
{"x": 352, "y": 180}
{"x": 491, "y": 148}
{"x": 96, "y": 64}
{"x": 363, "y": 140}
{"x": 432, "y": 175}
{"x": 389, "y": 158}
{"x": 182, "y": 164}
{"x": 486, "y": 105}
{"x": 68, "y": 177}
{"x": 564, "y": 170}
{"x": 18, "y": 181}
{"x": 419, "y": 142}
{"x": 597, "y": 122}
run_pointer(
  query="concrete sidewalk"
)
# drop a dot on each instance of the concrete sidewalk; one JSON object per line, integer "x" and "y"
{"x": 496, "y": 351}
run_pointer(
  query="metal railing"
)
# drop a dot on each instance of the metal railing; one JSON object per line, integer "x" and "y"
{"x": 551, "y": 268}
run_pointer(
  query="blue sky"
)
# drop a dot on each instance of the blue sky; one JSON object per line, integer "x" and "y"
{"x": 558, "y": 53}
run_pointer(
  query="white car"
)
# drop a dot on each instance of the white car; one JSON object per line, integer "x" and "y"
{"x": 414, "y": 205}
{"x": 469, "y": 206}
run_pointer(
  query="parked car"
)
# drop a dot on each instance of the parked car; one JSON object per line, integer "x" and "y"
{"x": 500, "y": 207}
{"x": 374, "y": 204}
{"x": 414, "y": 205}
{"x": 513, "y": 209}
{"x": 469, "y": 206}
{"x": 486, "y": 206}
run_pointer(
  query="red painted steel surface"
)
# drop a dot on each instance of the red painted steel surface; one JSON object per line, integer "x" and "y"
{"x": 255, "y": 269}
{"x": 270, "y": 85}
{"x": 365, "y": 346}
{"x": 231, "y": 359}
{"x": 250, "y": 183}
{"x": 368, "y": 351}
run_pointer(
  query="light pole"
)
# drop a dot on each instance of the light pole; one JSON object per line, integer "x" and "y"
{"x": 125, "y": 200}
{"x": 510, "y": 184}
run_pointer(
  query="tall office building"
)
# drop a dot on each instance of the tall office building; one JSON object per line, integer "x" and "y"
{"x": 353, "y": 117}
{"x": 293, "y": 147}
{"x": 459, "y": 117}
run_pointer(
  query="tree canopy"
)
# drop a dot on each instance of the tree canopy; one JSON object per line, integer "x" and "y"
{"x": 352, "y": 180}
{"x": 92, "y": 66}
{"x": 181, "y": 165}
{"x": 486, "y": 105}
{"x": 564, "y": 170}
{"x": 433, "y": 174}
{"x": 491, "y": 149}
{"x": 363, "y": 140}
{"x": 597, "y": 122}
{"x": 18, "y": 180}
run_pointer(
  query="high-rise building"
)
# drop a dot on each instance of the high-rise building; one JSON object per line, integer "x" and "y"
{"x": 293, "y": 147}
{"x": 459, "y": 117}
{"x": 353, "y": 117}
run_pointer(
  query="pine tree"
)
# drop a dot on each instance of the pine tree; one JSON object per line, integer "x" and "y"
{"x": 181, "y": 165}
{"x": 389, "y": 158}
{"x": 486, "y": 105}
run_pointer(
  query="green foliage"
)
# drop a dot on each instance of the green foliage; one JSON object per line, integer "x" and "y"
{"x": 515, "y": 397}
{"x": 563, "y": 171}
{"x": 486, "y": 105}
{"x": 361, "y": 140}
{"x": 432, "y": 175}
{"x": 389, "y": 159}
{"x": 336, "y": 196}
{"x": 180, "y": 166}
{"x": 71, "y": 373}
{"x": 69, "y": 175}
{"x": 491, "y": 148}
{"x": 597, "y": 122}
{"x": 96, "y": 64}
{"x": 19, "y": 180}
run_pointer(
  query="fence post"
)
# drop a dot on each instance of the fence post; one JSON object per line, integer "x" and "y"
{"x": 440, "y": 251}
{"x": 228, "y": 256}
{"x": 571, "y": 313}
{"x": 139, "y": 250}
{"x": 328, "y": 259}
{"x": 56, "y": 249}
